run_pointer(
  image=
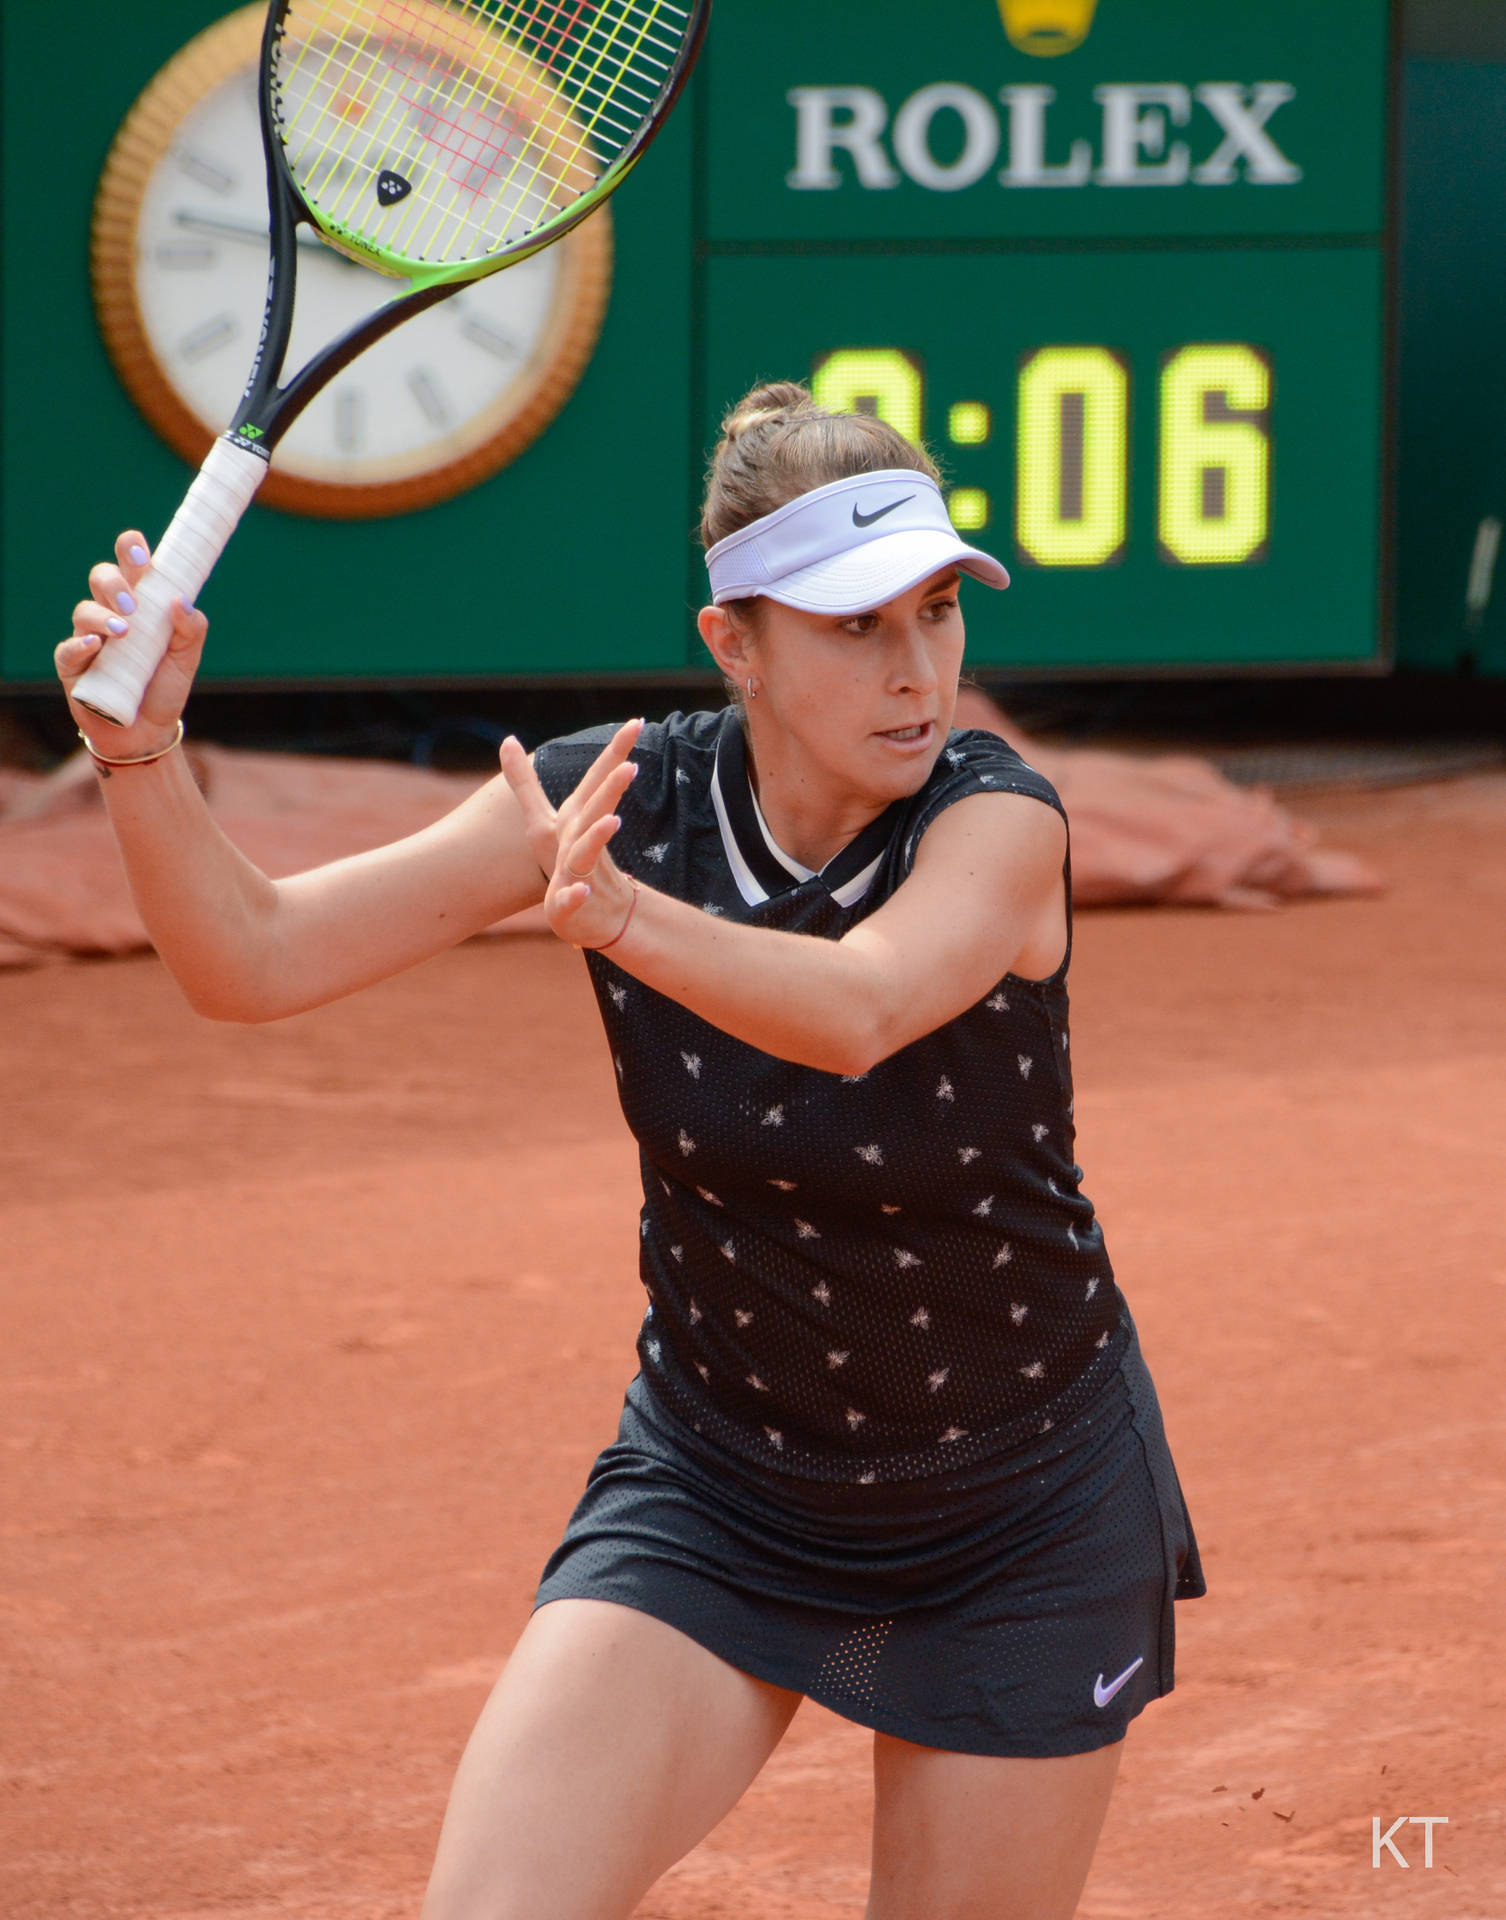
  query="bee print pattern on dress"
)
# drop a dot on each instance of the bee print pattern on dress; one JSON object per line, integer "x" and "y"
{"x": 892, "y": 1271}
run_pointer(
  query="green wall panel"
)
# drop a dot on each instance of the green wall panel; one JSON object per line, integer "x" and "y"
{"x": 1451, "y": 428}
{"x": 1329, "y": 56}
{"x": 578, "y": 558}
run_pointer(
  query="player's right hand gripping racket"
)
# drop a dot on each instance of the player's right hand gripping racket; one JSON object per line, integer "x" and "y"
{"x": 438, "y": 140}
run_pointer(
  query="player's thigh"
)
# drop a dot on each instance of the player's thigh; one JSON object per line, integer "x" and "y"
{"x": 960, "y": 1836}
{"x": 609, "y": 1746}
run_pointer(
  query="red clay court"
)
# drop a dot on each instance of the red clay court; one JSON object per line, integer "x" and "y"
{"x": 312, "y": 1332}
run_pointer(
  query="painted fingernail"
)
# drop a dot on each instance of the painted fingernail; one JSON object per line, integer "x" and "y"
{"x": 188, "y": 605}
{"x": 125, "y": 603}
{"x": 115, "y": 626}
{"x": 139, "y": 556}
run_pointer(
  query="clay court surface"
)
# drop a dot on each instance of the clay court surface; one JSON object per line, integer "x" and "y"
{"x": 312, "y": 1332}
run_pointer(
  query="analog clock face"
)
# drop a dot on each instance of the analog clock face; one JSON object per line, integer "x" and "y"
{"x": 445, "y": 398}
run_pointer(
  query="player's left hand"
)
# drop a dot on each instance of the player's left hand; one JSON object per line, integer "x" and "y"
{"x": 588, "y": 896}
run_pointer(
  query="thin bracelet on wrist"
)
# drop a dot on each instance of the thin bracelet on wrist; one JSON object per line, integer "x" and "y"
{"x": 136, "y": 760}
{"x": 632, "y": 904}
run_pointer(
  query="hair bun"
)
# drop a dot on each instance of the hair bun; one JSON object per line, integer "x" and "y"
{"x": 779, "y": 442}
{"x": 776, "y": 401}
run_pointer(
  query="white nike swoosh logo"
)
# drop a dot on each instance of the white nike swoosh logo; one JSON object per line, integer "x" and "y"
{"x": 1102, "y": 1694}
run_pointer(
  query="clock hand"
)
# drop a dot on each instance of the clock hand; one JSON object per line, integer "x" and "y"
{"x": 222, "y": 229}
{"x": 250, "y": 234}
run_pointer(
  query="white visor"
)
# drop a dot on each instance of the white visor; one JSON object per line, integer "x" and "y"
{"x": 847, "y": 547}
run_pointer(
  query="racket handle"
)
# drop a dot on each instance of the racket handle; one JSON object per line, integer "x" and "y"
{"x": 184, "y": 559}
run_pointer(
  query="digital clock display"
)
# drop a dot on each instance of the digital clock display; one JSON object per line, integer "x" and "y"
{"x": 1072, "y": 447}
{"x": 1122, "y": 266}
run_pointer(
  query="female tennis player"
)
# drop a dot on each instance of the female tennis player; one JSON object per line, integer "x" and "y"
{"x": 892, "y": 1443}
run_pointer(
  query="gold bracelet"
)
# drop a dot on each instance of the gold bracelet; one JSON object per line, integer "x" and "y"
{"x": 136, "y": 760}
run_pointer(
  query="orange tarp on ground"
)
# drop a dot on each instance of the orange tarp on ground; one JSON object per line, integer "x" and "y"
{"x": 1144, "y": 828}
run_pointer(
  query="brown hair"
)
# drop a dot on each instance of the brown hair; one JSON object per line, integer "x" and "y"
{"x": 777, "y": 444}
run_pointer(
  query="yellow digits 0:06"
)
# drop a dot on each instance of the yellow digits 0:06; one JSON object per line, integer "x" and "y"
{"x": 1072, "y": 447}
{"x": 878, "y": 380}
{"x": 1215, "y": 481}
{"x": 1070, "y": 466}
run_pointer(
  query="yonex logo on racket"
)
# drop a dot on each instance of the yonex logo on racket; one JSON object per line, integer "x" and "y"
{"x": 392, "y": 187}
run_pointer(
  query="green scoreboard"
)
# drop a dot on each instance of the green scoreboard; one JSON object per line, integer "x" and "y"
{"x": 1126, "y": 269}
{"x": 1125, "y": 265}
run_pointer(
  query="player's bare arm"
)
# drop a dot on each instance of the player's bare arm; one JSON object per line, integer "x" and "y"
{"x": 242, "y": 946}
{"x": 987, "y": 891}
{"x": 343, "y": 926}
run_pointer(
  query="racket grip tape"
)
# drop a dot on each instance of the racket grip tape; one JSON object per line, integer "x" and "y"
{"x": 184, "y": 560}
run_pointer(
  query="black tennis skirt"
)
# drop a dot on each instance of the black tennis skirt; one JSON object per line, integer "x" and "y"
{"x": 1022, "y": 1606}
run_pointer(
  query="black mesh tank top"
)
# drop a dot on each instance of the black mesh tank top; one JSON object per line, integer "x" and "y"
{"x": 850, "y": 1278}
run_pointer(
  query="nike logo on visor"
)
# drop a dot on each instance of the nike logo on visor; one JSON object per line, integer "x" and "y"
{"x": 1102, "y": 1694}
{"x": 867, "y": 519}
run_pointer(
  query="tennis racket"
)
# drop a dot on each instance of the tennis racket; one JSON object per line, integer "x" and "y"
{"x": 437, "y": 140}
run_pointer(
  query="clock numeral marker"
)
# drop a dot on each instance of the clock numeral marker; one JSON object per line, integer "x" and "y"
{"x": 429, "y": 398}
{"x": 186, "y": 253}
{"x": 349, "y": 419}
{"x": 214, "y": 333}
{"x": 482, "y": 334}
{"x": 205, "y": 171}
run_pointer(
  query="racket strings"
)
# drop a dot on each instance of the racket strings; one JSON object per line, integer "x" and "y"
{"x": 467, "y": 122}
{"x": 567, "y": 164}
{"x": 594, "y": 120}
{"x": 481, "y": 119}
{"x": 440, "y": 99}
{"x": 340, "y": 80}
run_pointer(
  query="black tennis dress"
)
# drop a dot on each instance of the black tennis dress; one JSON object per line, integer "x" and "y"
{"x": 892, "y": 1443}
